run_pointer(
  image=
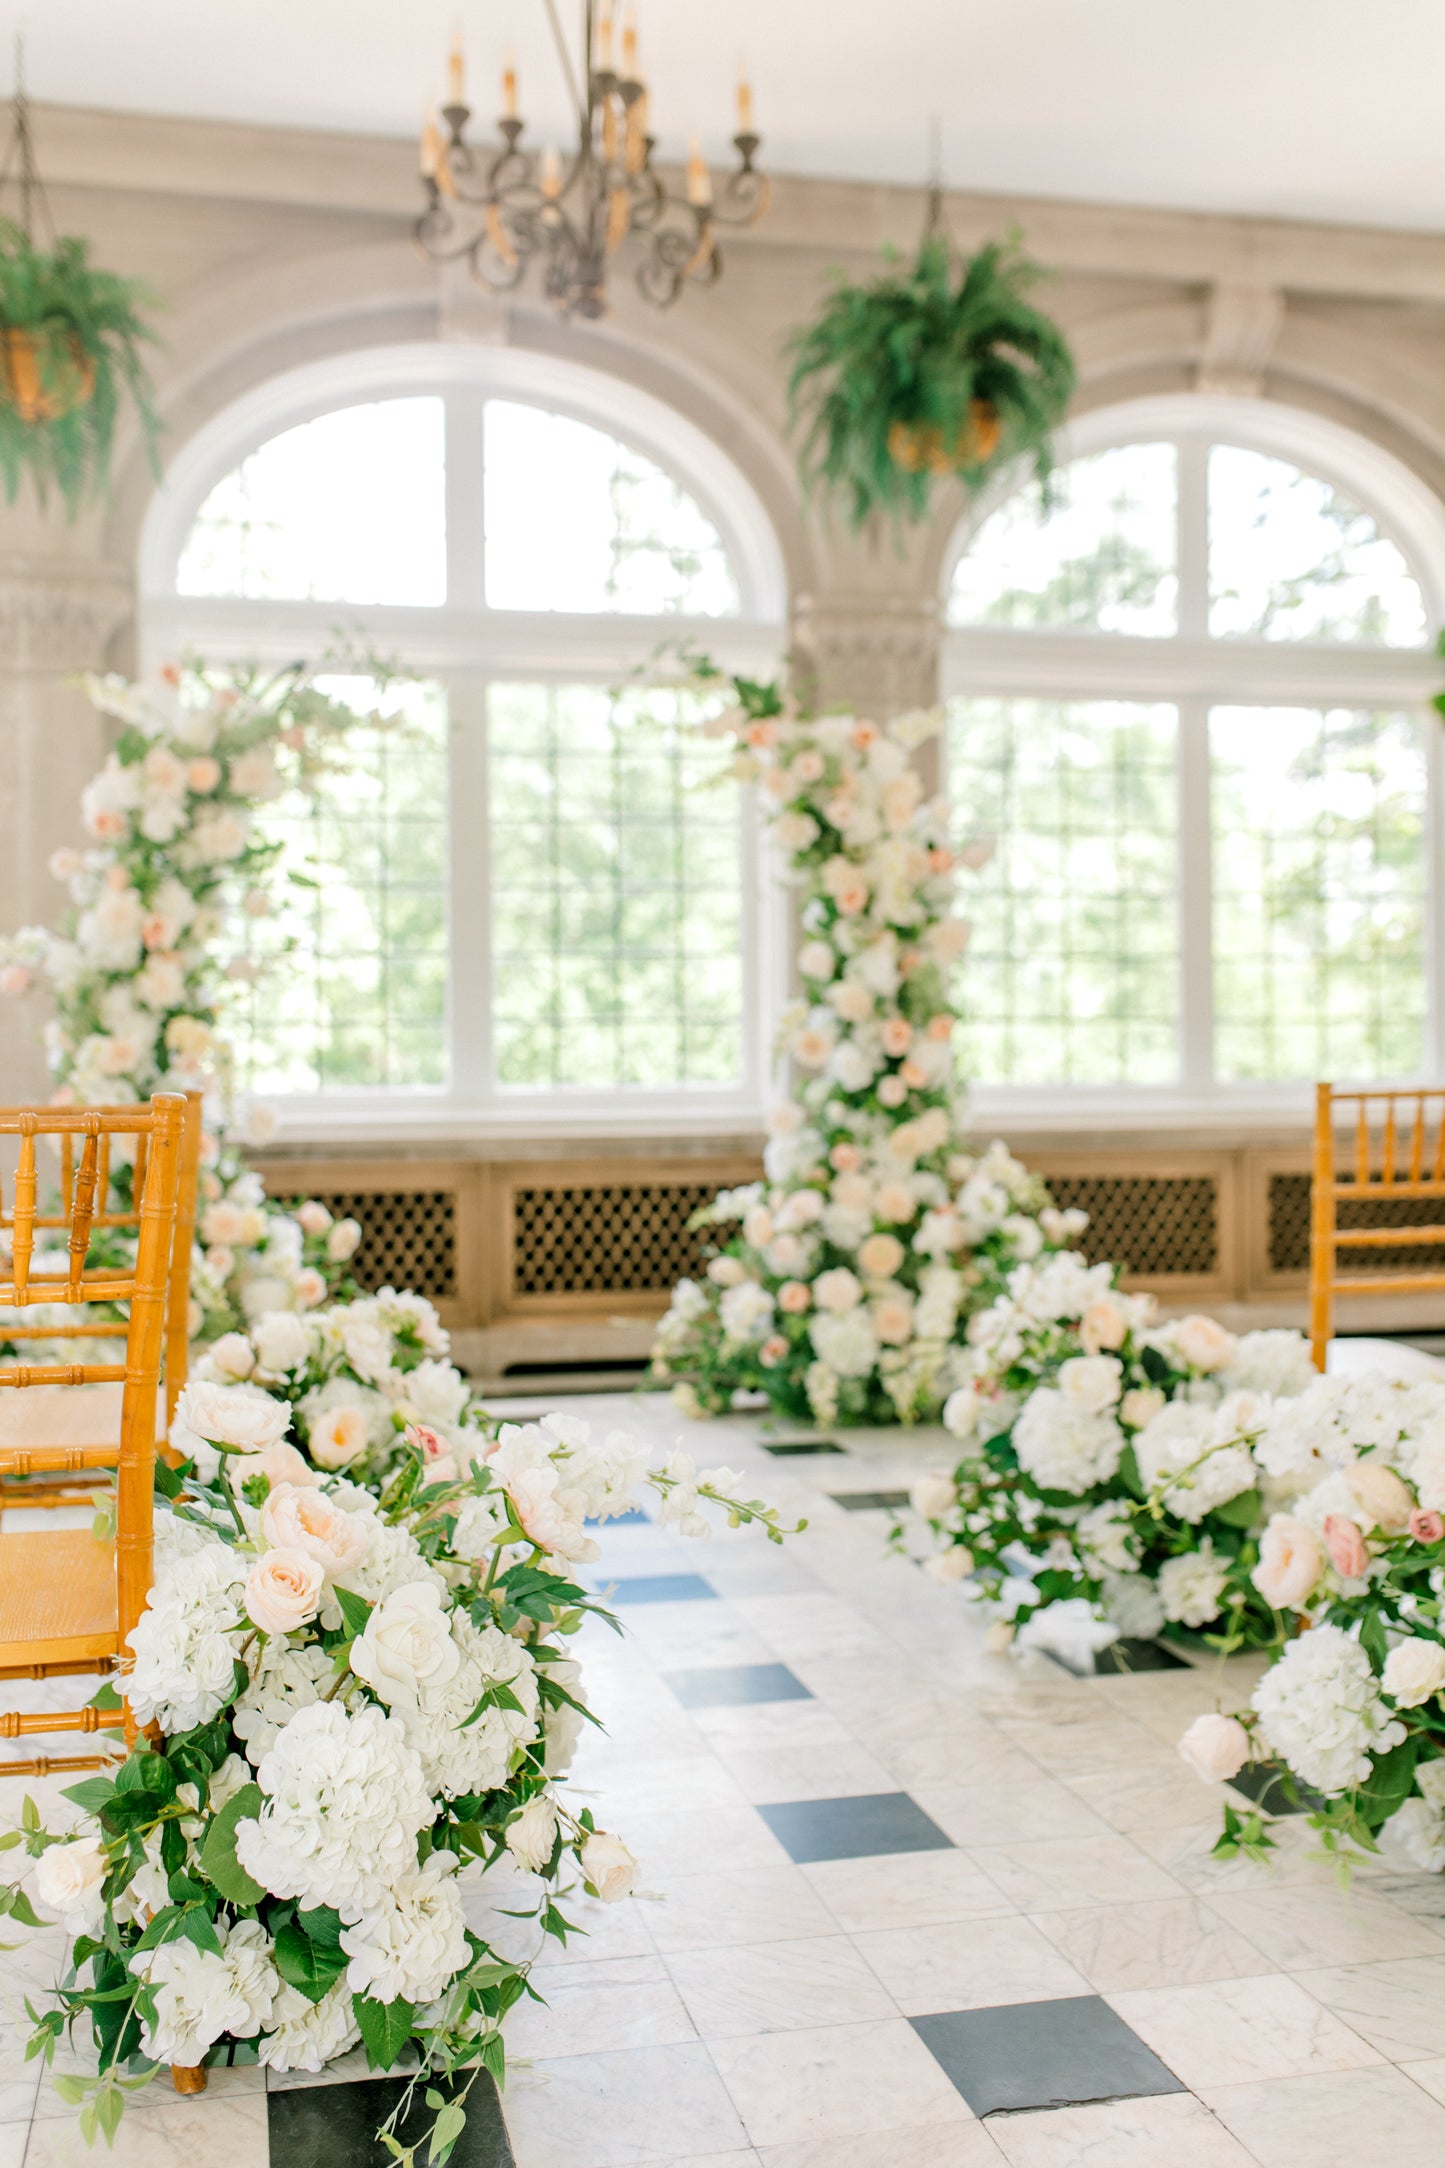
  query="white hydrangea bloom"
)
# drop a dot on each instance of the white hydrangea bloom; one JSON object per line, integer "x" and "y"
{"x": 1193, "y": 1461}
{"x": 455, "y": 1762}
{"x": 309, "y": 2035}
{"x": 285, "y": 1680}
{"x": 412, "y": 1945}
{"x": 345, "y": 1800}
{"x": 1062, "y": 1446}
{"x": 1320, "y": 1709}
{"x": 187, "y": 1639}
{"x": 1107, "y": 1534}
{"x": 1133, "y": 1604}
{"x": 199, "y": 1995}
{"x": 1278, "y": 1363}
{"x": 1191, "y": 1587}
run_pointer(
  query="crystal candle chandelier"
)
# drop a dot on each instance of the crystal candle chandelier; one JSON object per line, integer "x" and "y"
{"x": 502, "y": 207}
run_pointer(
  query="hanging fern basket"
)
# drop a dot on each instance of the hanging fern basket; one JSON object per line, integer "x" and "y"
{"x": 45, "y": 372}
{"x": 942, "y": 366}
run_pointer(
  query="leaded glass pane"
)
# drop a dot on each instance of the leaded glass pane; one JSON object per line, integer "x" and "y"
{"x": 1072, "y": 975}
{"x": 616, "y": 883}
{"x": 350, "y": 507}
{"x": 1320, "y": 827}
{"x": 1099, "y": 555}
{"x": 353, "y": 985}
{"x": 1291, "y": 559}
{"x": 575, "y": 520}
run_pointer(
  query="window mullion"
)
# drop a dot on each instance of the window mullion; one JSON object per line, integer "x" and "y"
{"x": 469, "y": 942}
{"x": 1193, "y": 538}
{"x": 1196, "y": 914}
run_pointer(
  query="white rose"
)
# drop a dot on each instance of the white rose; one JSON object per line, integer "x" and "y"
{"x": 68, "y": 1879}
{"x": 532, "y": 1833}
{"x": 282, "y": 1341}
{"x": 1216, "y": 1747}
{"x": 954, "y": 1564}
{"x": 407, "y": 1645}
{"x": 1414, "y": 1672}
{"x": 934, "y": 1494}
{"x": 283, "y": 1590}
{"x": 1139, "y": 1407}
{"x": 1203, "y": 1344}
{"x": 838, "y": 1290}
{"x": 1091, "y": 1382}
{"x": 343, "y": 1241}
{"x": 235, "y": 1415}
{"x": 233, "y": 1356}
{"x": 608, "y": 1866}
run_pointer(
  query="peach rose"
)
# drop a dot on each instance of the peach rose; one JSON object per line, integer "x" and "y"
{"x": 337, "y": 1437}
{"x": 892, "y": 1091}
{"x": 897, "y": 1036}
{"x": 293, "y": 1519}
{"x": 1291, "y": 1561}
{"x": 1378, "y": 1491}
{"x": 280, "y": 1463}
{"x": 794, "y": 1297}
{"x": 283, "y": 1590}
{"x": 772, "y": 1351}
{"x": 845, "y": 1158}
{"x": 880, "y": 1256}
{"x": 1103, "y": 1326}
{"x": 895, "y": 1201}
{"x": 1203, "y": 1344}
{"x": 941, "y": 1028}
{"x": 1216, "y": 1747}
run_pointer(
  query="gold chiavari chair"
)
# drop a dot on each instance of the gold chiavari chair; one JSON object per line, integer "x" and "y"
{"x": 80, "y": 1488}
{"x": 69, "y": 1598}
{"x": 1395, "y": 1154}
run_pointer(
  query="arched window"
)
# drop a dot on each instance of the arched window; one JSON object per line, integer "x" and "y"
{"x": 518, "y": 897}
{"x": 1188, "y": 702}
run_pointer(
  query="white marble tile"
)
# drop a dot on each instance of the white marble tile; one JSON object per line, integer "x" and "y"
{"x": 1187, "y": 1852}
{"x": 697, "y": 1837}
{"x": 1431, "y": 2075}
{"x": 969, "y": 1965}
{"x": 816, "y": 1624}
{"x": 1167, "y": 1944}
{"x": 1051, "y": 1873}
{"x": 1335, "y": 1927}
{"x": 216, "y": 2132}
{"x": 904, "y": 1889}
{"x": 1120, "y": 2134}
{"x": 1158, "y": 1794}
{"x": 752, "y": 1726}
{"x": 158, "y": 2098}
{"x": 957, "y": 1755}
{"x": 1091, "y": 1744}
{"x": 628, "y": 1787}
{"x": 980, "y": 1814}
{"x": 609, "y": 2111}
{"x": 676, "y": 1635}
{"x": 1398, "y": 2006}
{"x": 1349, "y": 2119}
{"x": 1224, "y": 2032}
{"x": 772, "y": 1776}
{"x": 778, "y": 1987}
{"x": 746, "y": 1905}
{"x": 592, "y": 2009}
{"x": 951, "y": 2145}
{"x": 837, "y": 2082}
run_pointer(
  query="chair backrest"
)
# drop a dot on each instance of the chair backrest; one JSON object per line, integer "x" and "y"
{"x": 1391, "y": 1154}
{"x": 154, "y": 1135}
{"x": 91, "y": 1196}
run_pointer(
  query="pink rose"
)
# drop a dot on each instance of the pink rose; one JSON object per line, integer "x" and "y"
{"x": 1427, "y": 1527}
{"x": 283, "y": 1590}
{"x": 439, "y": 1462}
{"x": 1291, "y": 1561}
{"x": 1345, "y": 1545}
{"x": 772, "y": 1351}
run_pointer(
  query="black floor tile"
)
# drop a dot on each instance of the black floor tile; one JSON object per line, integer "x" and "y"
{"x": 1042, "y": 2055}
{"x": 1263, "y": 1783}
{"x": 863, "y": 1828}
{"x": 1125, "y": 1656}
{"x": 662, "y": 1588}
{"x": 783, "y": 1448}
{"x": 870, "y": 1501}
{"x": 729, "y": 1686}
{"x": 334, "y": 2126}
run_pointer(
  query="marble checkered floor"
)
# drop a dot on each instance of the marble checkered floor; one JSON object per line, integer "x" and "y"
{"x": 906, "y": 1905}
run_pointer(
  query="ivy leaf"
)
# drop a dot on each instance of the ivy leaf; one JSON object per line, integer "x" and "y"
{"x": 306, "y": 1965}
{"x": 219, "y": 1863}
{"x": 385, "y": 2027}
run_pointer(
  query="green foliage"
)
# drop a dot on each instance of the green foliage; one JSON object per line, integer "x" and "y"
{"x": 218, "y": 1854}
{"x": 922, "y": 347}
{"x": 82, "y": 320}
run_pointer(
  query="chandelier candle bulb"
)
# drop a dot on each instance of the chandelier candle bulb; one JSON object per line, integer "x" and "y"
{"x": 699, "y": 180}
{"x": 629, "y": 46}
{"x": 509, "y": 90}
{"x": 549, "y": 174}
{"x": 431, "y": 146}
{"x": 745, "y": 104}
{"x": 604, "y": 41}
{"x": 456, "y": 72}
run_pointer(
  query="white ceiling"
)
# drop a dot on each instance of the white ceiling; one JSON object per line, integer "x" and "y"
{"x": 1324, "y": 109}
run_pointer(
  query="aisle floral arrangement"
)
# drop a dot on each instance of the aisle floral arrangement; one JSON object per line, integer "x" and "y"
{"x": 840, "y": 1282}
{"x": 1109, "y": 1485}
{"x": 1351, "y": 1708}
{"x": 363, "y": 1706}
{"x": 152, "y": 950}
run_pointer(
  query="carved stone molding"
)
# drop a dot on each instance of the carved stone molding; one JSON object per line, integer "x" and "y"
{"x": 1241, "y": 326}
{"x": 878, "y": 653}
{"x": 56, "y": 618}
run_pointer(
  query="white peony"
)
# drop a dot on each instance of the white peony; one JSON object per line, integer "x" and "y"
{"x": 1319, "y": 1708}
{"x": 1072, "y": 1629}
{"x": 241, "y": 1416}
{"x": 345, "y": 1802}
{"x": 282, "y": 1341}
{"x": 411, "y": 1946}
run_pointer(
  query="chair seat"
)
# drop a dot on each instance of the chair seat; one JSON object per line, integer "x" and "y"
{"x": 57, "y": 1598}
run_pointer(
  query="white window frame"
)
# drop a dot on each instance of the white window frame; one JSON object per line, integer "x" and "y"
{"x": 470, "y": 647}
{"x": 1194, "y": 673}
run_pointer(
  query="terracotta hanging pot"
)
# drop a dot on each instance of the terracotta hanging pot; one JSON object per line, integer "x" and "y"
{"x": 919, "y": 447}
{"x": 45, "y": 372}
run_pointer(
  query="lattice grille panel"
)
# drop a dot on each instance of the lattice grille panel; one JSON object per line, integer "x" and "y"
{"x": 1289, "y": 1229}
{"x": 409, "y": 1238}
{"x": 628, "y": 1240}
{"x": 1151, "y": 1224}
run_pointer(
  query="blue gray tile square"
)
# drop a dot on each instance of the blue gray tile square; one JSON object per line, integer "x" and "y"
{"x": 730, "y": 1686}
{"x": 865, "y": 1827}
{"x": 1042, "y": 2054}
